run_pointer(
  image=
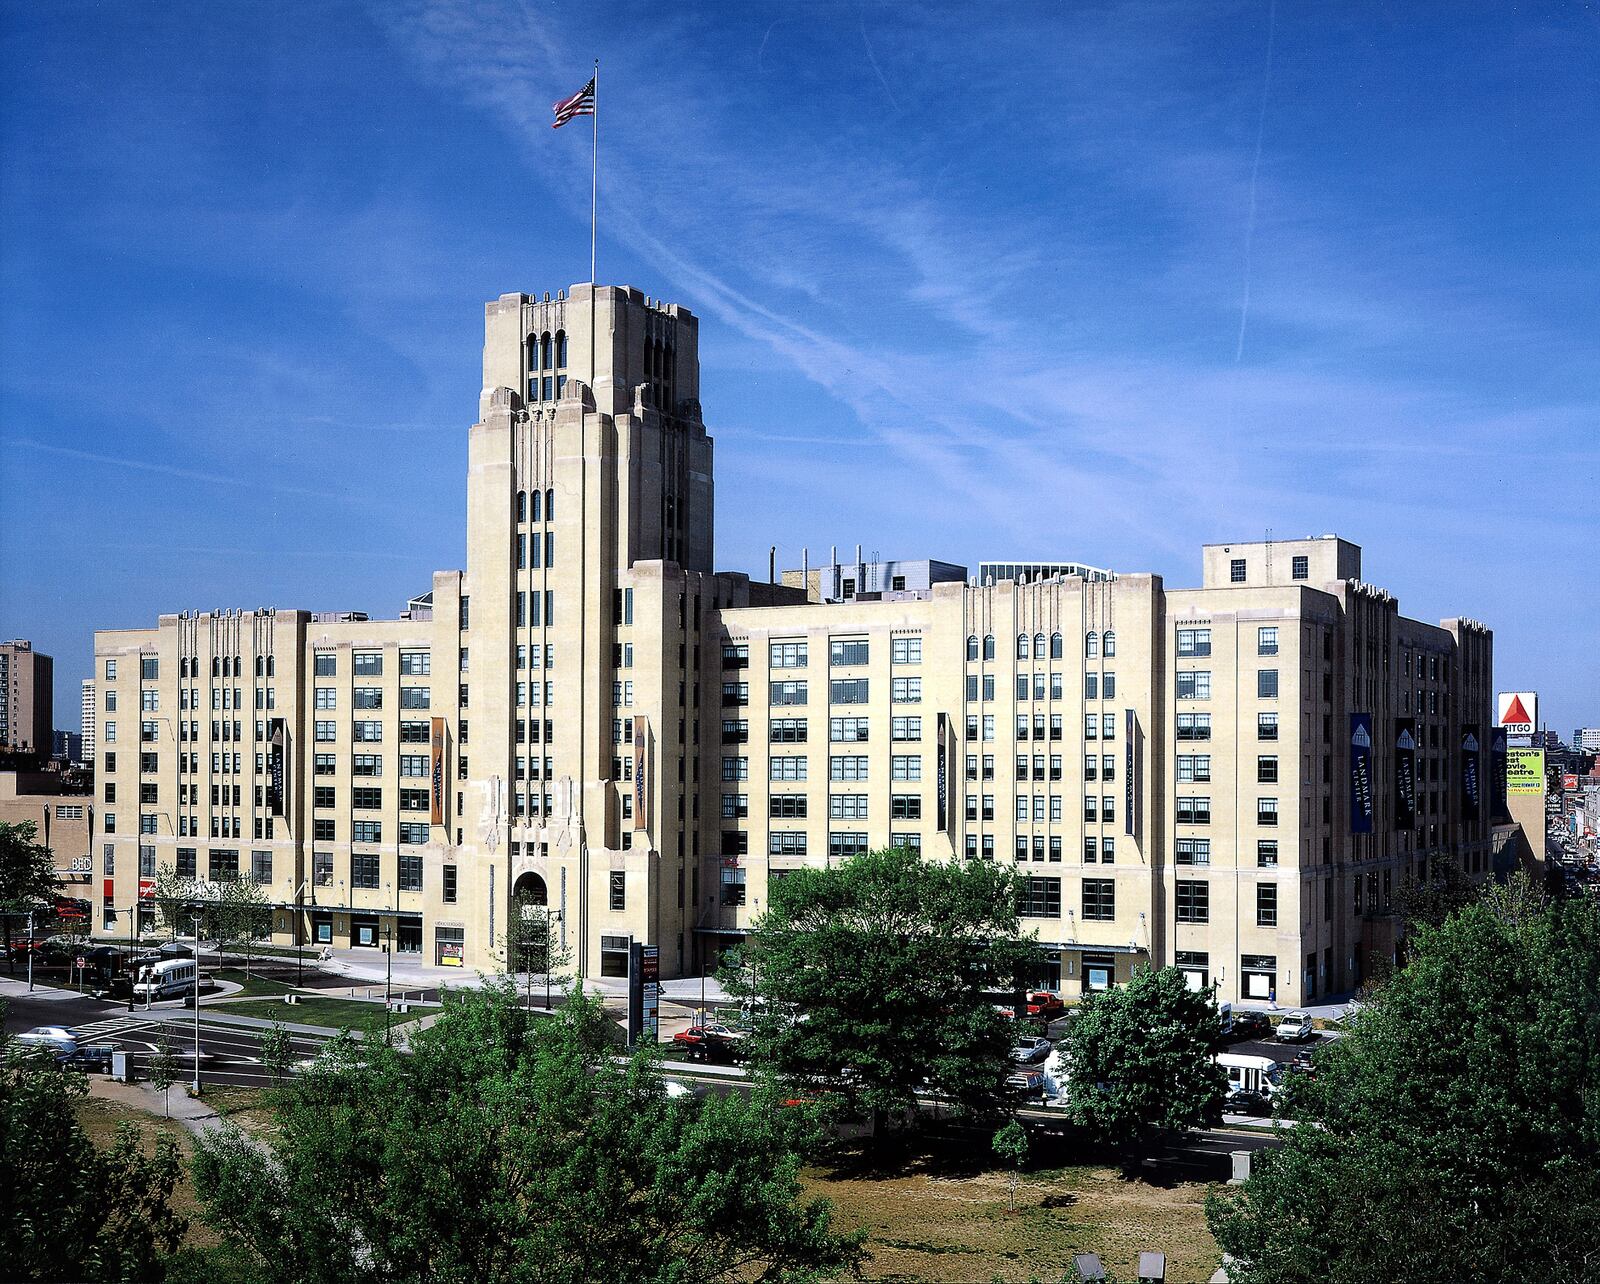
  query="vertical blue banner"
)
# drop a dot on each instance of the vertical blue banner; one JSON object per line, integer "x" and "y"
{"x": 1360, "y": 773}
{"x": 1471, "y": 786}
{"x": 1405, "y": 773}
{"x": 1497, "y": 776}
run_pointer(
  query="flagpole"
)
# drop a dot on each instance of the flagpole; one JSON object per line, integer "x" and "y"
{"x": 594, "y": 168}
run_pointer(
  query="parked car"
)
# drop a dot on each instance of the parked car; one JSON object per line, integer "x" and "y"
{"x": 58, "y": 1039}
{"x": 1028, "y": 1051}
{"x": 1027, "y": 1081}
{"x": 712, "y": 1042}
{"x": 1247, "y": 1101}
{"x": 1249, "y": 1025}
{"x": 1304, "y": 1062}
{"x": 92, "y": 1058}
{"x": 1046, "y": 1004}
{"x": 1295, "y": 1028}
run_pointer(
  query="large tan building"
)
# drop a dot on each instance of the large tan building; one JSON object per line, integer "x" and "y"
{"x": 591, "y": 716}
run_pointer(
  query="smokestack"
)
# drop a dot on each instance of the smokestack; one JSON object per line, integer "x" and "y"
{"x": 772, "y": 564}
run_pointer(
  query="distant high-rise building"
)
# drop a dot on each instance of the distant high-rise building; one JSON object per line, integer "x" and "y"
{"x": 27, "y": 722}
{"x": 1587, "y": 739}
{"x": 90, "y": 709}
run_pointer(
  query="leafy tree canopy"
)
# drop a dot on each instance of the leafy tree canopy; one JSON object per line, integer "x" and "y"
{"x": 1454, "y": 1133}
{"x": 508, "y": 1147}
{"x": 873, "y": 980}
{"x": 1139, "y": 1057}
{"x": 27, "y": 874}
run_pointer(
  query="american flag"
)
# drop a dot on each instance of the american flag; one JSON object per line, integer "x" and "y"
{"x": 580, "y": 104}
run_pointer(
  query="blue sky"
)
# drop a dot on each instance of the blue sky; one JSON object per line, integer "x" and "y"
{"x": 1091, "y": 281}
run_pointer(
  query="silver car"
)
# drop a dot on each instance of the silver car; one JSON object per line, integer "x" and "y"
{"x": 55, "y": 1037}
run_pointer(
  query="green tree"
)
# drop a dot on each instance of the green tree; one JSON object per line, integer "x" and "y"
{"x": 177, "y": 899}
{"x": 1454, "y": 1133}
{"x": 1140, "y": 1060}
{"x": 277, "y": 1051}
{"x": 1429, "y": 902}
{"x": 241, "y": 915}
{"x": 535, "y": 945}
{"x": 872, "y": 981}
{"x": 1011, "y": 1144}
{"x": 27, "y": 876}
{"x": 72, "y": 1211}
{"x": 505, "y": 1147}
{"x": 163, "y": 1069}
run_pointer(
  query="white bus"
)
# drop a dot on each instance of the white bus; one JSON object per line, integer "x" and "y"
{"x": 165, "y": 980}
{"x": 1253, "y": 1074}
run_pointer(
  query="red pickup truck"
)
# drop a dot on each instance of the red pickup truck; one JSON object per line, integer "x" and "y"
{"x": 713, "y": 1043}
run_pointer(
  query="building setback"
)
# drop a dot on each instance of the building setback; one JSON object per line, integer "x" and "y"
{"x": 591, "y": 718}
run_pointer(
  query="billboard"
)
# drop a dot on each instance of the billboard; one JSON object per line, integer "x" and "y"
{"x": 1525, "y": 771}
{"x": 1405, "y": 773}
{"x": 1517, "y": 712}
{"x": 1360, "y": 773}
{"x": 1471, "y": 784}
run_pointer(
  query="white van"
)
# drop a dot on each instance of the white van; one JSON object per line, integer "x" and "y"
{"x": 165, "y": 980}
{"x": 1253, "y": 1074}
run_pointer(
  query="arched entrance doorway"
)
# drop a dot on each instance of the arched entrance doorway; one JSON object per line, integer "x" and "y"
{"x": 530, "y": 890}
{"x": 531, "y": 924}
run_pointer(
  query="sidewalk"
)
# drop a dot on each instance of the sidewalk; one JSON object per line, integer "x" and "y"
{"x": 194, "y": 1113}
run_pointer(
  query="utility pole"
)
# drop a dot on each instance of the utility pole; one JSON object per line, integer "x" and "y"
{"x": 30, "y": 951}
{"x": 132, "y": 950}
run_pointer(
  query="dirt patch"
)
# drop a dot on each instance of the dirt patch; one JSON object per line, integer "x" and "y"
{"x": 100, "y": 1119}
{"x": 927, "y": 1227}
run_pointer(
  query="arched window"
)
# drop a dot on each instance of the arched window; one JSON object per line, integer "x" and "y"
{"x": 561, "y": 347}
{"x": 1055, "y": 646}
{"x": 216, "y": 667}
{"x": 1091, "y": 644}
{"x": 988, "y": 646}
{"x": 1038, "y": 646}
{"x": 272, "y": 667}
{"x": 238, "y": 666}
{"x": 1111, "y": 642}
{"x": 1022, "y": 646}
{"x": 533, "y": 353}
{"x": 549, "y": 505}
{"x": 522, "y": 505}
{"x": 183, "y": 666}
{"x": 972, "y": 646}
{"x": 535, "y": 506}
{"x": 544, "y": 347}
{"x": 261, "y": 666}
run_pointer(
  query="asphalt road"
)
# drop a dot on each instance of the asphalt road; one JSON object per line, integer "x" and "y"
{"x": 228, "y": 1054}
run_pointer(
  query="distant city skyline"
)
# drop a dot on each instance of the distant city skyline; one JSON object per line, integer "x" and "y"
{"x": 1092, "y": 286}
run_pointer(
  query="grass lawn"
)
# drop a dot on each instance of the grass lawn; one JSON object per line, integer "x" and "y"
{"x": 335, "y": 1014}
{"x": 100, "y": 1119}
{"x": 923, "y": 1225}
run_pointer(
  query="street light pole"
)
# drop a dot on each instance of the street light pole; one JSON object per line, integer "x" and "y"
{"x": 196, "y": 1005}
{"x": 132, "y": 950}
{"x": 30, "y": 951}
{"x": 388, "y": 976}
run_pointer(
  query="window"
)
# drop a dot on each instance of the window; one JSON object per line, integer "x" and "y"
{"x": 1039, "y": 898}
{"x": 368, "y": 698}
{"x": 905, "y": 807}
{"x": 1022, "y": 646}
{"x": 852, "y": 652}
{"x": 368, "y": 664}
{"x": 1195, "y": 766}
{"x": 1266, "y": 726}
{"x": 1091, "y": 686}
{"x": 1267, "y": 769}
{"x": 417, "y": 697}
{"x": 972, "y": 646}
{"x": 785, "y": 844}
{"x": 847, "y": 767}
{"x": 1266, "y": 811}
{"x": 735, "y": 806}
{"x": 1108, "y": 643}
{"x": 847, "y": 806}
{"x": 848, "y": 690}
{"x": 733, "y": 887}
{"x": 906, "y": 690}
{"x": 1300, "y": 567}
{"x": 1267, "y": 684}
{"x": 1267, "y": 905}
{"x": 789, "y": 692}
{"x": 1236, "y": 571}
{"x": 842, "y": 846}
{"x": 323, "y": 830}
{"x": 905, "y": 728}
{"x": 367, "y": 732}
{"x": 788, "y": 767}
{"x": 413, "y": 833}
{"x": 1099, "y": 899}
{"x": 735, "y": 655}
{"x": 736, "y": 768}
{"x": 1091, "y": 726}
{"x": 905, "y": 651}
{"x": 790, "y": 731}
{"x": 1091, "y": 808}
{"x": 1091, "y": 645}
{"x": 1193, "y": 810}
{"x": 1194, "y": 726}
{"x": 1192, "y": 642}
{"x": 1194, "y": 684}
{"x": 411, "y": 764}
{"x": 1267, "y": 854}
{"x": 905, "y": 766}
{"x": 111, "y": 670}
{"x": 367, "y": 831}
{"x": 416, "y": 663}
{"x": 787, "y": 806}
{"x": 619, "y": 890}
{"x": 1193, "y": 851}
{"x": 324, "y": 796}
{"x": 1267, "y": 641}
{"x": 326, "y": 731}
{"x": 1193, "y": 901}
{"x": 787, "y": 655}
{"x": 1108, "y": 726}
{"x": 847, "y": 730}
{"x": 224, "y": 864}
{"x": 449, "y": 872}
{"x": 988, "y": 646}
